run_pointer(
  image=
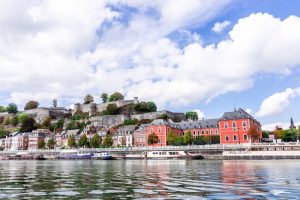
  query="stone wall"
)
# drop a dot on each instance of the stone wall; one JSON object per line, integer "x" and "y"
{"x": 176, "y": 117}
{"x": 88, "y": 108}
{"x": 108, "y": 121}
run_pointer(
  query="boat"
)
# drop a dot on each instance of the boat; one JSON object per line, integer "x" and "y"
{"x": 84, "y": 156}
{"x": 162, "y": 155}
{"x": 68, "y": 154}
{"x": 39, "y": 157}
{"x": 264, "y": 152}
{"x": 102, "y": 156}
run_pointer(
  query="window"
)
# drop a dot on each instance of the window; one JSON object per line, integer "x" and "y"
{"x": 207, "y": 132}
{"x": 198, "y": 132}
{"x": 234, "y": 137}
{"x": 159, "y": 141}
{"x": 234, "y": 129}
{"x": 151, "y": 130}
{"x": 226, "y": 125}
{"x": 244, "y": 124}
{"x": 159, "y": 129}
{"x": 194, "y": 133}
{"x": 202, "y": 132}
{"x": 245, "y": 137}
{"x": 217, "y": 131}
{"x": 227, "y": 138}
{"x": 233, "y": 124}
{"x": 211, "y": 131}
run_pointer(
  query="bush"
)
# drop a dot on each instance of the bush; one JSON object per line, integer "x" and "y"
{"x": 14, "y": 121}
{"x": 28, "y": 125}
{"x": 112, "y": 109}
{"x": 31, "y": 105}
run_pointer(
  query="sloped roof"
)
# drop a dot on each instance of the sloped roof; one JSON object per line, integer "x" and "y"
{"x": 236, "y": 114}
{"x": 204, "y": 123}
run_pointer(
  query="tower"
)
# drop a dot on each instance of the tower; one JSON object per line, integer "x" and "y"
{"x": 292, "y": 126}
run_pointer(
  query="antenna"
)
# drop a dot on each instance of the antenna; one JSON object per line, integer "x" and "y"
{"x": 234, "y": 108}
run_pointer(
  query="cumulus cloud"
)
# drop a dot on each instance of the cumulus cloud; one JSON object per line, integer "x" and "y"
{"x": 278, "y": 102}
{"x": 68, "y": 49}
{"x": 220, "y": 26}
{"x": 199, "y": 113}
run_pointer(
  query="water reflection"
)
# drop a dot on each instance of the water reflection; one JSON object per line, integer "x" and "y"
{"x": 170, "y": 179}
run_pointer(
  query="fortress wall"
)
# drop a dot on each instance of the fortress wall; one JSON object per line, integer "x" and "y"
{"x": 108, "y": 121}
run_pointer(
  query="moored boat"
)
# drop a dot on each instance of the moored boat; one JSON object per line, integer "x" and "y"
{"x": 102, "y": 156}
{"x": 163, "y": 155}
{"x": 264, "y": 152}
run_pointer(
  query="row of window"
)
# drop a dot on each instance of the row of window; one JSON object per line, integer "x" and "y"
{"x": 235, "y": 137}
{"x": 244, "y": 124}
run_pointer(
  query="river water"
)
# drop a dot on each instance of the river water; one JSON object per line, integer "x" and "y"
{"x": 152, "y": 179}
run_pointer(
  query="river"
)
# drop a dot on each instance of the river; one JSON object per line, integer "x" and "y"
{"x": 152, "y": 179}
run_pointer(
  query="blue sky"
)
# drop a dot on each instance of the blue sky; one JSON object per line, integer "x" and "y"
{"x": 203, "y": 55}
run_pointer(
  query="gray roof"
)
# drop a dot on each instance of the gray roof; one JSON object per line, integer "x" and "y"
{"x": 204, "y": 123}
{"x": 170, "y": 123}
{"x": 127, "y": 128}
{"x": 236, "y": 114}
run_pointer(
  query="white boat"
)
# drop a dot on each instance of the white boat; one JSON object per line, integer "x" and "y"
{"x": 265, "y": 151}
{"x": 162, "y": 155}
{"x": 102, "y": 156}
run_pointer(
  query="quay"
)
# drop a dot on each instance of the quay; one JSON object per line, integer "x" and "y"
{"x": 216, "y": 151}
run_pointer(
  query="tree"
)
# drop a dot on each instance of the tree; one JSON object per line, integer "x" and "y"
{"x": 265, "y": 134}
{"x": 278, "y": 134}
{"x": 28, "y": 125}
{"x": 3, "y": 133}
{"x": 83, "y": 141}
{"x": 88, "y": 99}
{"x": 12, "y": 108}
{"x": 14, "y": 121}
{"x": 191, "y": 115}
{"x": 2, "y": 109}
{"x": 51, "y": 143}
{"x": 152, "y": 139}
{"x": 108, "y": 141}
{"x": 1, "y": 119}
{"x": 254, "y": 134}
{"x": 96, "y": 141}
{"x": 171, "y": 138}
{"x": 151, "y": 106}
{"x": 72, "y": 125}
{"x": 41, "y": 144}
{"x": 112, "y": 109}
{"x": 21, "y": 117}
{"x": 72, "y": 141}
{"x": 179, "y": 141}
{"x": 59, "y": 124}
{"x": 188, "y": 138}
{"x": 31, "y": 105}
{"x": 47, "y": 123}
{"x": 104, "y": 97}
{"x": 116, "y": 96}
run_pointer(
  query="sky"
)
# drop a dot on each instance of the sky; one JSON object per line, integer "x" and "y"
{"x": 208, "y": 56}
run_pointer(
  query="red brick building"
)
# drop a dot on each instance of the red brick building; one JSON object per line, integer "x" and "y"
{"x": 162, "y": 128}
{"x": 234, "y": 127}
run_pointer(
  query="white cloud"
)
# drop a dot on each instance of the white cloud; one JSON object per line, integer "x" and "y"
{"x": 249, "y": 110}
{"x": 278, "y": 102}
{"x": 220, "y": 26}
{"x": 199, "y": 113}
{"x": 272, "y": 126}
{"x": 68, "y": 49}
